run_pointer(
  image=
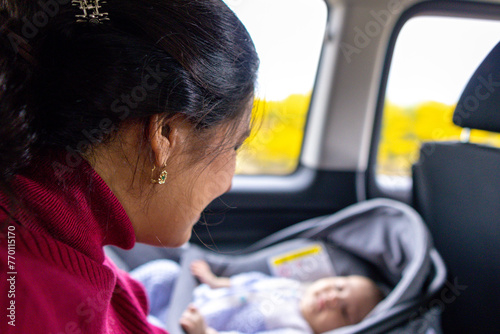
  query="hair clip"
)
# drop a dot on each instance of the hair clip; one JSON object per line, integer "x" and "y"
{"x": 91, "y": 12}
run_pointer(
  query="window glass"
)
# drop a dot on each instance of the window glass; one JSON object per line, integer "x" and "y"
{"x": 288, "y": 35}
{"x": 433, "y": 60}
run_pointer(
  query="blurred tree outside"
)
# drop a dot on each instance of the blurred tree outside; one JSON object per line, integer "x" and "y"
{"x": 278, "y": 129}
{"x": 276, "y": 140}
{"x": 405, "y": 129}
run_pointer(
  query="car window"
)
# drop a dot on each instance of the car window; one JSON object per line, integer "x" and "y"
{"x": 288, "y": 35}
{"x": 432, "y": 62}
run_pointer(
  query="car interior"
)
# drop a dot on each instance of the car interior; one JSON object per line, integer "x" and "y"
{"x": 366, "y": 135}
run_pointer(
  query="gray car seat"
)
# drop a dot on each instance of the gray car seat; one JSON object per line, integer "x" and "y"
{"x": 457, "y": 192}
{"x": 382, "y": 239}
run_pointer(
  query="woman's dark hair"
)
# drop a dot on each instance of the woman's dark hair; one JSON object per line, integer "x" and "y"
{"x": 70, "y": 85}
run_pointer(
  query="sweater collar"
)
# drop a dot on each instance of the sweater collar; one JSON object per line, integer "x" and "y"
{"x": 64, "y": 197}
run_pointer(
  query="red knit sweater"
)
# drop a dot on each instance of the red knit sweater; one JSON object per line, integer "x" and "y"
{"x": 55, "y": 277}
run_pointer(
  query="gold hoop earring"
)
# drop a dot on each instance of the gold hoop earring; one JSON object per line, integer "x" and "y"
{"x": 162, "y": 178}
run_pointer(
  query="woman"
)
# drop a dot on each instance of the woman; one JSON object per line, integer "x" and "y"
{"x": 120, "y": 123}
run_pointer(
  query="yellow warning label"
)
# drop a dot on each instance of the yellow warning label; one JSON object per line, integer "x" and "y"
{"x": 292, "y": 256}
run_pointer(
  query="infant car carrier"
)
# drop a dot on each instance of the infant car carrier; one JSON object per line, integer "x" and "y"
{"x": 382, "y": 239}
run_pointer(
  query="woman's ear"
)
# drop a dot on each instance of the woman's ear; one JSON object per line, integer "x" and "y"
{"x": 161, "y": 138}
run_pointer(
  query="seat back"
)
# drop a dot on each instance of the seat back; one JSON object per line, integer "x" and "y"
{"x": 457, "y": 192}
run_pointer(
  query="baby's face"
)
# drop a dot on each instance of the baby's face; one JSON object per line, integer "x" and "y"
{"x": 334, "y": 302}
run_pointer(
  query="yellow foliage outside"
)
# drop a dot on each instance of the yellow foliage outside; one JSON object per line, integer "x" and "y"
{"x": 275, "y": 144}
{"x": 276, "y": 140}
{"x": 405, "y": 129}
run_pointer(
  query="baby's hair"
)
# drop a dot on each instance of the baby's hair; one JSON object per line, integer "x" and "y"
{"x": 383, "y": 290}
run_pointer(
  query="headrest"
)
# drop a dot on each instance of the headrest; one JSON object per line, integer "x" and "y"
{"x": 479, "y": 105}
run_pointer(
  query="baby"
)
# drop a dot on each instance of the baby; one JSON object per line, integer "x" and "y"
{"x": 256, "y": 303}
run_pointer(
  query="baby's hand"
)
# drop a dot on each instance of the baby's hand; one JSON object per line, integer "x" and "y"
{"x": 192, "y": 321}
{"x": 201, "y": 270}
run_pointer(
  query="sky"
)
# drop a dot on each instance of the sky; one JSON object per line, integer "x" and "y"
{"x": 288, "y": 35}
{"x": 433, "y": 58}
